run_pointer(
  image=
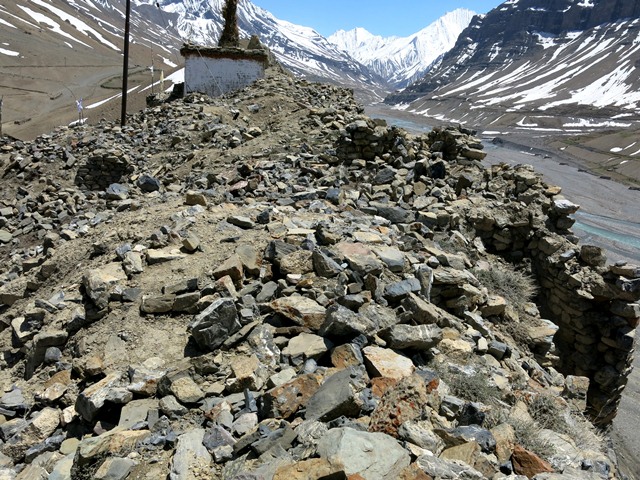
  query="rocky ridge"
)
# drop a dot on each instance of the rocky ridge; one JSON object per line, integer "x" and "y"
{"x": 272, "y": 285}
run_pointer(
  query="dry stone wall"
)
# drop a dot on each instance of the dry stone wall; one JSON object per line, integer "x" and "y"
{"x": 594, "y": 305}
{"x": 103, "y": 168}
{"x": 597, "y": 311}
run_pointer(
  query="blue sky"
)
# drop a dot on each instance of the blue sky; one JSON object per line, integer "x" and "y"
{"x": 380, "y": 17}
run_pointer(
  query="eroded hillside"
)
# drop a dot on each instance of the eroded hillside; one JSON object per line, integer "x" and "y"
{"x": 277, "y": 286}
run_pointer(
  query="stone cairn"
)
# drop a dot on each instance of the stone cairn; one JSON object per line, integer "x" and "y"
{"x": 287, "y": 289}
{"x": 103, "y": 168}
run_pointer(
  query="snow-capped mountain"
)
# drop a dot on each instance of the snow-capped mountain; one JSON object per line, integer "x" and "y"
{"x": 55, "y": 52}
{"x": 300, "y": 49}
{"x": 528, "y": 60}
{"x": 401, "y": 60}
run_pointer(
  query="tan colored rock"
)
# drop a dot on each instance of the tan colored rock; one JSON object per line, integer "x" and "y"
{"x": 246, "y": 371}
{"x": 191, "y": 243}
{"x": 425, "y": 312}
{"x": 311, "y": 469}
{"x": 383, "y": 362}
{"x": 250, "y": 258}
{"x": 44, "y": 423}
{"x": 467, "y": 453}
{"x": 298, "y": 262}
{"x": 186, "y": 390}
{"x": 70, "y": 445}
{"x": 305, "y": 346}
{"x": 473, "y": 153}
{"x": 92, "y": 398}
{"x": 302, "y": 310}
{"x": 92, "y": 449}
{"x": 575, "y": 392}
{"x": 627, "y": 270}
{"x": 505, "y": 436}
{"x": 163, "y": 255}
{"x": 195, "y": 198}
{"x": 459, "y": 348}
{"x": 56, "y": 386}
{"x": 99, "y": 282}
{"x": 494, "y": 306}
{"x": 157, "y": 303}
{"x": 232, "y": 266}
{"x": 414, "y": 472}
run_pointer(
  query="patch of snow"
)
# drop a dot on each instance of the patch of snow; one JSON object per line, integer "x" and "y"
{"x": 176, "y": 77}
{"x": 78, "y": 122}
{"x": 616, "y": 149}
{"x": 573, "y": 35}
{"x": 610, "y": 89}
{"x": 54, "y": 26}
{"x": 586, "y": 4}
{"x": 10, "y": 53}
{"x": 102, "y": 102}
{"x": 78, "y": 24}
{"x": 4, "y": 22}
{"x": 169, "y": 62}
{"x": 547, "y": 40}
{"x": 495, "y": 51}
{"x": 522, "y": 124}
{"x": 584, "y": 123}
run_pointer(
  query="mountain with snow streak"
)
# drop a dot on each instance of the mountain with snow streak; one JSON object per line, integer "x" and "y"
{"x": 300, "y": 49}
{"x": 542, "y": 64}
{"x": 401, "y": 60}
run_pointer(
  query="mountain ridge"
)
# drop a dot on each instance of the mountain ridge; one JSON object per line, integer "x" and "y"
{"x": 400, "y": 60}
{"x": 567, "y": 58}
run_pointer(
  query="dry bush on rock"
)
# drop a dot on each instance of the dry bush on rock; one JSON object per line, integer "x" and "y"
{"x": 516, "y": 287}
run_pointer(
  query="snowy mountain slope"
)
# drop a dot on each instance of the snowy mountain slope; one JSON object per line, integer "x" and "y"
{"x": 531, "y": 59}
{"x": 300, "y": 49}
{"x": 54, "y": 52}
{"x": 401, "y": 60}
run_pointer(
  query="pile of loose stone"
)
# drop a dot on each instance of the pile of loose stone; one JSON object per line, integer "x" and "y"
{"x": 281, "y": 288}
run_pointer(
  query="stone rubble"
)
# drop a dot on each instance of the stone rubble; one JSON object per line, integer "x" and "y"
{"x": 295, "y": 290}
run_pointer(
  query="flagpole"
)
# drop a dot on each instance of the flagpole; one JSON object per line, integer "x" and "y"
{"x": 125, "y": 66}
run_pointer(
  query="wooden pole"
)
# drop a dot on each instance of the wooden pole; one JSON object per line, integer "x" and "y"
{"x": 152, "y": 92}
{"x": 125, "y": 66}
